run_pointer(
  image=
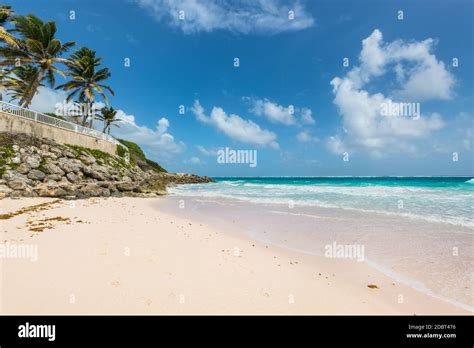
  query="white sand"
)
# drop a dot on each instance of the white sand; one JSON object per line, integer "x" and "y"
{"x": 124, "y": 256}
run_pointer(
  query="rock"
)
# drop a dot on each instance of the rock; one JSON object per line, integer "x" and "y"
{"x": 94, "y": 190}
{"x": 51, "y": 168}
{"x": 17, "y": 184}
{"x": 15, "y": 148}
{"x": 5, "y": 189}
{"x": 109, "y": 185}
{"x": 10, "y": 175}
{"x": 152, "y": 185}
{"x": 28, "y": 192}
{"x": 89, "y": 172}
{"x": 69, "y": 154}
{"x": 126, "y": 186}
{"x": 33, "y": 161}
{"x": 42, "y": 167}
{"x": 44, "y": 147}
{"x": 36, "y": 174}
{"x": 16, "y": 159}
{"x": 50, "y": 155}
{"x": 53, "y": 177}
{"x": 72, "y": 177}
{"x": 69, "y": 165}
{"x": 56, "y": 150}
{"x": 23, "y": 168}
{"x": 87, "y": 159}
{"x": 50, "y": 190}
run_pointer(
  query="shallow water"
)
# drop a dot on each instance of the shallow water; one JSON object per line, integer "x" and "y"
{"x": 435, "y": 199}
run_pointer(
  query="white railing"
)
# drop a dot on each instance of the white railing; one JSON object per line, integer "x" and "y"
{"x": 53, "y": 121}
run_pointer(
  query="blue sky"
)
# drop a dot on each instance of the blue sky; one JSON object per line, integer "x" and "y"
{"x": 283, "y": 62}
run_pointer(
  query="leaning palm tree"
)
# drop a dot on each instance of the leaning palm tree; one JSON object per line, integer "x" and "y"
{"x": 37, "y": 46}
{"x": 20, "y": 80}
{"x": 6, "y": 14}
{"x": 86, "y": 78}
{"x": 108, "y": 116}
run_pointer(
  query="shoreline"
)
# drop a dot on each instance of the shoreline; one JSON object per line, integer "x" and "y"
{"x": 202, "y": 207}
{"x": 128, "y": 256}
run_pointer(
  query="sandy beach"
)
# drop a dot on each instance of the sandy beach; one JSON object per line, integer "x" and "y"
{"x": 133, "y": 256}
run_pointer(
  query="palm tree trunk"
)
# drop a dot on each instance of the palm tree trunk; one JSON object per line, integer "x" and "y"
{"x": 29, "y": 95}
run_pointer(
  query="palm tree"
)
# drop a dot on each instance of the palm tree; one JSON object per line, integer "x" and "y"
{"x": 107, "y": 115}
{"x": 20, "y": 81}
{"x": 86, "y": 78}
{"x": 36, "y": 46}
{"x": 6, "y": 14}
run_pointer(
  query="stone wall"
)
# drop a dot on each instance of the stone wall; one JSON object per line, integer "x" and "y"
{"x": 14, "y": 124}
{"x": 32, "y": 167}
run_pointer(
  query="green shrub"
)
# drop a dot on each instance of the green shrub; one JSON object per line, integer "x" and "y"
{"x": 134, "y": 149}
{"x": 155, "y": 166}
{"x": 137, "y": 156}
{"x": 6, "y": 153}
{"x": 121, "y": 151}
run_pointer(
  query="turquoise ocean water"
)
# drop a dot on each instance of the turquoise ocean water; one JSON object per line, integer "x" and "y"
{"x": 436, "y": 199}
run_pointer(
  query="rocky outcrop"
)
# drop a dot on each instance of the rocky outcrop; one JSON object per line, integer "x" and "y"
{"x": 32, "y": 167}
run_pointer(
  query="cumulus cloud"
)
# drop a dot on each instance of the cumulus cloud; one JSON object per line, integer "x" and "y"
{"x": 276, "y": 113}
{"x": 235, "y": 127}
{"x": 363, "y": 123}
{"x": 241, "y": 16}
{"x": 47, "y": 98}
{"x": 420, "y": 74}
{"x": 157, "y": 143}
{"x": 273, "y": 112}
{"x": 306, "y": 137}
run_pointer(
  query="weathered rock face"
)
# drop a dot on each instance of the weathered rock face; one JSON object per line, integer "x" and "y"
{"x": 31, "y": 167}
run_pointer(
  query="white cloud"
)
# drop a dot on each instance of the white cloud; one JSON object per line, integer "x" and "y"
{"x": 157, "y": 143}
{"x": 420, "y": 74}
{"x": 235, "y": 127}
{"x": 306, "y": 137}
{"x": 363, "y": 124}
{"x": 46, "y": 99}
{"x": 206, "y": 152}
{"x": 273, "y": 112}
{"x": 242, "y": 16}
{"x": 307, "y": 116}
{"x": 335, "y": 145}
{"x": 276, "y": 113}
{"x": 192, "y": 160}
